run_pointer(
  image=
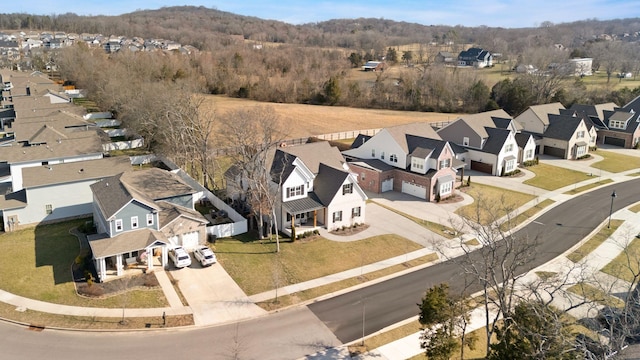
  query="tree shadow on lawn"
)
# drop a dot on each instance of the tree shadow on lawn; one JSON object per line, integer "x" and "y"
{"x": 56, "y": 247}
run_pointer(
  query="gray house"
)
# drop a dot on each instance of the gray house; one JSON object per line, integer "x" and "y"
{"x": 139, "y": 216}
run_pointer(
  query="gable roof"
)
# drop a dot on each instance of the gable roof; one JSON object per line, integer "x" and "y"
{"x": 328, "y": 182}
{"x": 312, "y": 154}
{"x": 633, "y": 105}
{"x": 541, "y": 111}
{"x": 594, "y": 110}
{"x": 103, "y": 246}
{"x": 170, "y": 211}
{"x": 562, "y": 126}
{"x": 359, "y": 140}
{"x": 74, "y": 171}
{"x": 399, "y": 133}
{"x": 522, "y": 139}
{"x": 423, "y": 147}
{"x": 143, "y": 186}
{"x": 631, "y": 119}
{"x": 478, "y": 122}
{"x": 495, "y": 141}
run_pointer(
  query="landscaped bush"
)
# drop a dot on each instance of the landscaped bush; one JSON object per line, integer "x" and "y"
{"x": 585, "y": 156}
{"x": 530, "y": 163}
{"x": 511, "y": 173}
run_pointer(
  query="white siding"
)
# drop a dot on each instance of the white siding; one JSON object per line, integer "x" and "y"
{"x": 346, "y": 203}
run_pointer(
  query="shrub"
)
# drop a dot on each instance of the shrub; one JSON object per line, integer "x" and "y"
{"x": 469, "y": 181}
{"x": 530, "y": 163}
{"x": 511, "y": 173}
{"x": 585, "y": 156}
{"x": 595, "y": 148}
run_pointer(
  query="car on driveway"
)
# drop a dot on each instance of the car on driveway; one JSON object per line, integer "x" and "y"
{"x": 180, "y": 257}
{"x": 205, "y": 256}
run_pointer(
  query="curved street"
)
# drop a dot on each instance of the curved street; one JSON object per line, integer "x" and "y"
{"x": 296, "y": 332}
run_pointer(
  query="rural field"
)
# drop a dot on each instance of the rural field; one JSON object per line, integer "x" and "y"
{"x": 309, "y": 120}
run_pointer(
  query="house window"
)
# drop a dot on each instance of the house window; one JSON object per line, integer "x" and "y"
{"x": 593, "y": 139}
{"x": 373, "y": 152}
{"x": 509, "y": 165}
{"x": 529, "y": 154}
{"x": 508, "y": 148}
{"x": 581, "y": 150}
{"x": 465, "y": 141}
{"x": 393, "y": 158}
{"x": 446, "y": 188}
{"x": 417, "y": 164}
{"x": 337, "y": 216}
{"x": 445, "y": 163}
{"x": 149, "y": 219}
{"x": 48, "y": 209}
{"x": 362, "y": 176}
{"x": 616, "y": 124}
{"x": 580, "y": 134}
{"x": 134, "y": 222}
{"x": 347, "y": 189}
{"x": 118, "y": 224}
{"x": 382, "y": 155}
{"x": 295, "y": 191}
{"x": 355, "y": 212}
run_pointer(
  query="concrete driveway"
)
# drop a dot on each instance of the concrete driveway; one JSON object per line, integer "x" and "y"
{"x": 213, "y": 295}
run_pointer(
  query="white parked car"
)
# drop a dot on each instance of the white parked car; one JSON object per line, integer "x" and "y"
{"x": 180, "y": 257}
{"x": 205, "y": 256}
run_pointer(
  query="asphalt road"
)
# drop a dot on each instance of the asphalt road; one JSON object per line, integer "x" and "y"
{"x": 391, "y": 301}
{"x": 296, "y": 332}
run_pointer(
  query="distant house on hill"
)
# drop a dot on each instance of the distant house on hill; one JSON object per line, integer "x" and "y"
{"x": 373, "y": 66}
{"x": 476, "y": 57}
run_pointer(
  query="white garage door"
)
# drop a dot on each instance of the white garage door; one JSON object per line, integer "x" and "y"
{"x": 387, "y": 185}
{"x": 173, "y": 240}
{"x": 190, "y": 240}
{"x": 415, "y": 190}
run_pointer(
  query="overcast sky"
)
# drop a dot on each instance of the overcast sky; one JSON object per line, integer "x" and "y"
{"x": 503, "y": 13}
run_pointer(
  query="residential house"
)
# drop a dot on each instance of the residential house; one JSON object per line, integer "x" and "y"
{"x": 475, "y": 57}
{"x": 489, "y": 139}
{"x": 56, "y": 192}
{"x": 581, "y": 66}
{"x": 535, "y": 118}
{"x": 139, "y": 216}
{"x": 566, "y": 137}
{"x": 622, "y": 128}
{"x": 445, "y": 57}
{"x": 526, "y": 147}
{"x": 409, "y": 158}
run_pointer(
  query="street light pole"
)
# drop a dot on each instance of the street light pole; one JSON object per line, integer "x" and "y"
{"x": 613, "y": 196}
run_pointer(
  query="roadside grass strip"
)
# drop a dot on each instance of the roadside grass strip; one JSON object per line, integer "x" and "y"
{"x": 626, "y": 264}
{"x": 588, "y": 186}
{"x": 615, "y": 162}
{"x": 594, "y": 294}
{"x": 527, "y": 214}
{"x": 551, "y": 177}
{"x": 596, "y": 240}
{"x": 635, "y": 208}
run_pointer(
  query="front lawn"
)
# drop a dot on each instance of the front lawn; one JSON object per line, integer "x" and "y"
{"x": 491, "y": 203}
{"x": 256, "y": 267}
{"x": 36, "y": 263}
{"x": 551, "y": 177}
{"x": 625, "y": 266}
{"x": 596, "y": 240}
{"x": 615, "y": 162}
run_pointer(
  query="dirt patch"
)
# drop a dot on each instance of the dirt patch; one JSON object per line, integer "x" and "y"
{"x": 117, "y": 286}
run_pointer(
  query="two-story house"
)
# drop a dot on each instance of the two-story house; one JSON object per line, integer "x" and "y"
{"x": 489, "y": 139}
{"x": 475, "y": 57}
{"x": 139, "y": 216}
{"x": 535, "y": 120}
{"x": 316, "y": 189}
{"x": 566, "y": 137}
{"x": 407, "y": 158}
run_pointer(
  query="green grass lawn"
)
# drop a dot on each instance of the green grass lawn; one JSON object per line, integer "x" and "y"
{"x": 256, "y": 267}
{"x": 491, "y": 203}
{"x": 587, "y": 187}
{"x": 615, "y": 162}
{"x": 36, "y": 263}
{"x": 551, "y": 177}
{"x": 625, "y": 265}
{"x": 595, "y": 241}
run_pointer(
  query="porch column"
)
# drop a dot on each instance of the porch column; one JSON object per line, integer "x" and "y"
{"x": 165, "y": 256}
{"x": 315, "y": 218}
{"x": 101, "y": 266}
{"x": 150, "y": 259}
{"x": 119, "y": 266}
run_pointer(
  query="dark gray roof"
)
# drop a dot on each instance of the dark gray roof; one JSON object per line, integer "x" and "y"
{"x": 373, "y": 164}
{"x": 14, "y": 200}
{"x": 562, "y": 126}
{"x": 328, "y": 182}
{"x": 423, "y": 145}
{"x": 496, "y": 140}
{"x": 620, "y": 115}
{"x": 298, "y": 206}
{"x": 522, "y": 138}
{"x": 633, "y": 105}
{"x": 589, "y": 110}
{"x": 360, "y": 139}
{"x": 501, "y": 123}
{"x": 282, "y": 166}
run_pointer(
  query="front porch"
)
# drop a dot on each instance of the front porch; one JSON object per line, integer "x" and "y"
{"x": 303, "y": 215}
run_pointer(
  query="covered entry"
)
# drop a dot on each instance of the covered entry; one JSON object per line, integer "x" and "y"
{"x": 303, "y": 215}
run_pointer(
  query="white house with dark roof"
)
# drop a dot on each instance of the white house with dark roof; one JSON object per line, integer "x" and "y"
{"x": 317, "y": 188}
{"x": 139, "y": 216}
{"x": 566, "y": 137}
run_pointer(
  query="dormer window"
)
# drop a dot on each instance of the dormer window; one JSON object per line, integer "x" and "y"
{"x": 382, "y": 155}
{"x": 347, "y": 188}
{"x": 617, "y": 124}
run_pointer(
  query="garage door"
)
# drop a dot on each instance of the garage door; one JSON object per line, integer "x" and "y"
{"x": 190, "y": 240}
{"x": 387, "y": 185}
{"x": 173, "y": 240}
{"x": 482, "y": 167}
{"x": 554, "y": 151}
{"x": 414, "y": 190}
{"x": 614, "y": 141}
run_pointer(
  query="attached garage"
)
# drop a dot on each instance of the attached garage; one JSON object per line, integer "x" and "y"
{"x": 614, "y": 141}
{"x": 414, "y": 190}
{"x": 190, "y": 240}
{"x": 482, "y": 167}
{"x": 387, "y": 185}
{"x": 173, "y": 240}
{"x": 554, "y": 151}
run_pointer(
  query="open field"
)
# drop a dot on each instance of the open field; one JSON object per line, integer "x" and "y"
{"x": 309, "y": 120}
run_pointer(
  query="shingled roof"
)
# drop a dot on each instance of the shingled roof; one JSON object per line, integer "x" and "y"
{"x": 562, "y": 126}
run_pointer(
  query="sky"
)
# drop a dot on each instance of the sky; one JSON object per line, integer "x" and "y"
{"x": 493, "y": 13}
